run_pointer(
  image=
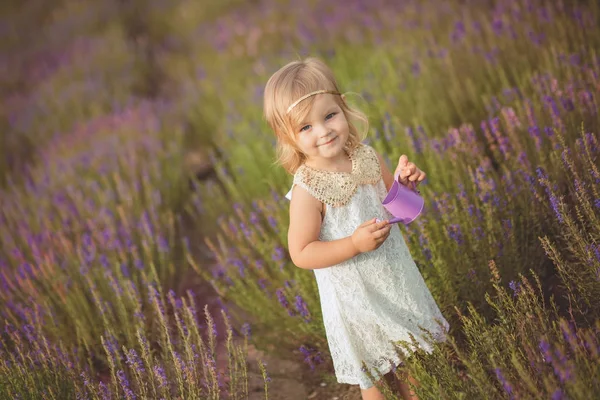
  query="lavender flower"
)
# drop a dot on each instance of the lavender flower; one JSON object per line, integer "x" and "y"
{"x": 455, "y": 233}
{"x": 104, "y": 392}
{"x": 415, "y": 68}
{"x": 245, "y": 230}
{"x": 471, "y": 274}
{"x": 516, "y": 287}
{"x": 302, "y": 308}
{"x": 569, "y": 334}
{"x": 283, "y": 301}
{"x": 278, "y": 254}
{"x": 311, "y": 356}
{"x": 273, "y": 223}
{"x": 459, "y": 32}
{"x": 545, "y": 348}
{"x": 423, "y": 242}
{"x": 506, "y": 385}
{"x": 134, "y": 362}
{"x": 125, "y": 385}
{"x": 163, "y": 245}
{"x": 246, "y": 330}
{"x": 159, "y": 373}
{"x": 125, "y": 270}
{"x": 236, "y": 262}
{"x": 416, "y": 142}
{"x": 562, "y": 368}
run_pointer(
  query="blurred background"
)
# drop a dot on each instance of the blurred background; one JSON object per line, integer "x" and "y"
{"x": 143, "y": 228}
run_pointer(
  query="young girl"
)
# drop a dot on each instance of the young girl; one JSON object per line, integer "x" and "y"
{"x": 370, "y": 289}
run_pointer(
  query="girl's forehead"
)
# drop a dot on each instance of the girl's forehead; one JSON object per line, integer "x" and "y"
{"x": 322, "y": 102}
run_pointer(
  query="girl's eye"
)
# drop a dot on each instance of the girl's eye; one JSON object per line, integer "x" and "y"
{"x": 305, "y": 128}
{"x": 329, "y": 116}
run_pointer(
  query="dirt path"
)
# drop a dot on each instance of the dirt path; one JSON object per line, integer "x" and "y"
{"x": 290, "y": 379}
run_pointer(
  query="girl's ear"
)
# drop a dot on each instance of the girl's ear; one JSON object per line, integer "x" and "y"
{"x": 343, "y": 96}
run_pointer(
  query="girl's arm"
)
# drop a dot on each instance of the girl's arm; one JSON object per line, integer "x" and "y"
{"x": 387, "y": 176}
{"x": 306, "y": 250}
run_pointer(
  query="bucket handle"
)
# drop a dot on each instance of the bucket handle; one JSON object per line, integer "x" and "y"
{"x": 414, "y": 183}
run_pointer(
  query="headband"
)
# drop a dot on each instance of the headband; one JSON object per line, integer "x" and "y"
{"x": 306, "y": 96}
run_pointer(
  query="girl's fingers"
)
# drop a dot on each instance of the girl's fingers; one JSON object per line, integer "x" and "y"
{"x": 382, "y": 233}
{"x": 369, "y": 222}
{"x": 408, "y": 171}
{"x": 378, "y": 225}
{"x": 417, "y": 177}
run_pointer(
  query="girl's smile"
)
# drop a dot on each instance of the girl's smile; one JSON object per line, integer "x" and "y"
{"x": 330, "y": 141}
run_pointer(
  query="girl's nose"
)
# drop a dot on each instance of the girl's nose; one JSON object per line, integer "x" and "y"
{"x": 324, "y": 131}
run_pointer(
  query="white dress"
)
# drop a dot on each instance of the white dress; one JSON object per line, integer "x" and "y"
{"x": 377, "y": 297}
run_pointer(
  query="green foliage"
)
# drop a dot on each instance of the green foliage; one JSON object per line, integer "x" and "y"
{"x": 496, "y": 101}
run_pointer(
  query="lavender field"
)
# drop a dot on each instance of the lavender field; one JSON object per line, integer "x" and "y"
{"x": 143, "y": 224}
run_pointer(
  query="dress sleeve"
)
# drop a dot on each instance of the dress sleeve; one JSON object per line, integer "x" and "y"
{"x": 289, "y": 194}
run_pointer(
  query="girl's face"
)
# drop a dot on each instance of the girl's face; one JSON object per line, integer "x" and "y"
{"x": 324, "y": 132}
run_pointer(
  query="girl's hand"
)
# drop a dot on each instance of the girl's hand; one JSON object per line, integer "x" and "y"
{"x": 408, "y": 172}
{"x": 370, "y": 235}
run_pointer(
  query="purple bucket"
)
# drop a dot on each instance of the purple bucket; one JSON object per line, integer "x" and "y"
{"x": 403, "y": 203}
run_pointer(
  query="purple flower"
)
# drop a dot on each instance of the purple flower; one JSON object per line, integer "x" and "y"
{"x": 163, "y": 245}
{"x": 178, "y": 302}
{"x": 159, "y": 373}
{"x": 302, "y": 308}
{"x": 103, "y": 261}
{"x": 124, "y": 270}
{"x": 471, "y": 274}
{"x": 415, "y": 68}
{"x": 263, "y": 285}
{"x": 506, "y": 385}
{"x": 478, "y": 233}
{"x": 245, "y": 230}
{"x": 125, "y": 385}
{"x": 516, "y": 287}
{"x": 236, "y": 262}
{"x": 311, "y": 356}
{"x": 283, "y": 301}
{"x": 423, "y": 242}
{"x": 134, "y": 361}
{"x": 569, "y": 334}
{"x": 455, "y": 233}
{"x": 545, "y": 348}
{"x": 554, "y": 202}
{"x": 278, "y": 254}
{"x": 416, "y": 142}
{"x": 104, "y": 392}
{"x": 497, "y": 25}
{"x": 555, "y": 206}
{"x": 111, "y": 345}
{"x": 246, "y": 330}
{"x": 273, "y": 223}
{"x": 562, "y": 368}
{"x": 459, "y": 32}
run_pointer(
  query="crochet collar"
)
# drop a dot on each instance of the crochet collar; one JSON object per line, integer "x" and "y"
{"x": 337, "y": 188}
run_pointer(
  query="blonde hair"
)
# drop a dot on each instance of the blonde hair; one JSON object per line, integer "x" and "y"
{"x": 287, "y": 85}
